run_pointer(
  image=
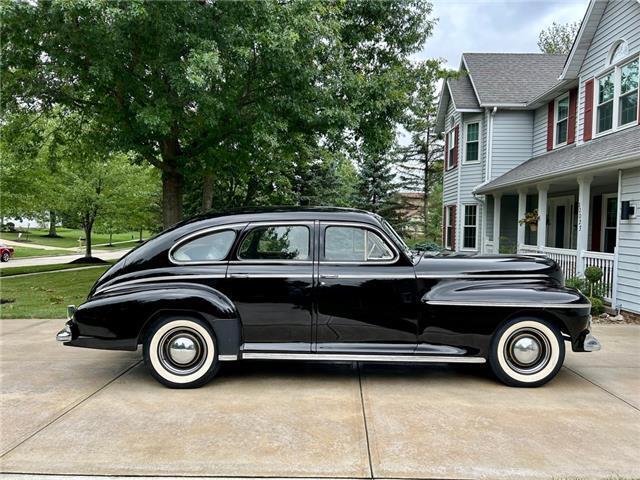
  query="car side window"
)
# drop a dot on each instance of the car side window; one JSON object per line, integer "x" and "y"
{"x": 355, "y": 244}
{"x": 207, "y": 248}
{"x": 286, "y": 242}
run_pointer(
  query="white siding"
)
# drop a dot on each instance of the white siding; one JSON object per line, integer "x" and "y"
{"x": 512, "y": 140}
{"x": 540, "y": 130}
{"x": 629, "y": 246}
{"x": 621, "y": 20}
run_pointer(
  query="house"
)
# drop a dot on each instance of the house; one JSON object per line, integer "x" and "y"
{"x": 554, "y": 135}
{"x": 411, "y": 210}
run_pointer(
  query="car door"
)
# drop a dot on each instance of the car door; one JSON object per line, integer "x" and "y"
{"x": 366, "y": 292}
{"x": 271, "y": 282}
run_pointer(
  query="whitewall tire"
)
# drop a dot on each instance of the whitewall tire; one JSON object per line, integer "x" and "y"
{"x": 527, "y": 352}
{"x": 181, "y": 352}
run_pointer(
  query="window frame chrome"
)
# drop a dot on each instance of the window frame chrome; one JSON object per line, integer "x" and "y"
{"x": 201, "y": 233}
{"x": 251, "y": 225}
{"x": 323, "y": 225}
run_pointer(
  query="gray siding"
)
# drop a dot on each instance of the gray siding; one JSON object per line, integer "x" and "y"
{"x": 619, "y": 21}
{"x": 629, "y": 246}
{"x": 450, "y": 187}
{"x": 540, "y": 130}
{"x": 512, "y": 140}
{"x": 470, "y": 175}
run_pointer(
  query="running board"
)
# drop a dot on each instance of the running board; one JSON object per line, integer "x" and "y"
{"x": 341, "y": 357}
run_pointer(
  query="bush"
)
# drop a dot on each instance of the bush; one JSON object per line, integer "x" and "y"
{"x": 9, "y": 227}
{"x": 597, "y": 305}
{"x": 427, "y": 247}
{"x": 576, "y": 282}
{"x": 593, "y": 274}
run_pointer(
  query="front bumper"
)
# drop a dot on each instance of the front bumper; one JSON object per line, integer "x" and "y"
{"x": 591, "y": 343}
{"x": 66, "y": 334}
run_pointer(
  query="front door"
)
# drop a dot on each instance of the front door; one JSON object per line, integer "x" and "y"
{"x": 271, "y": 283}
{"x": 560, "y": 222}
{"x": 366, "y": 292}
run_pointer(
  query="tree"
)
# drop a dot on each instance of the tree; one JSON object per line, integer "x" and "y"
{"x": 211, "y": 104}
{"x": 558, "y": 38}
{"x": 420, "y": 162}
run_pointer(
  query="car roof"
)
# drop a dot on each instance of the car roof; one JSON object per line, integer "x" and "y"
{"x": 259, "y": 214}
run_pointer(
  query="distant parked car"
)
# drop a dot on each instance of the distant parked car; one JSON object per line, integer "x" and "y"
{"x": 326, "y": 284}
{"x": 6, "y": 252}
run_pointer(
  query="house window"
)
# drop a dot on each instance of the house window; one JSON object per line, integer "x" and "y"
{"x": 472, "y": 142}
{"x": 617, "y": 97}
{"x": 451, "y": 141}
{"x": 470, "y": 227}
{"x": 610, "y": 222}
{"x": 449, "y": 222}
{"x": 628, "y": 107}
{"x": 562, "y": 120}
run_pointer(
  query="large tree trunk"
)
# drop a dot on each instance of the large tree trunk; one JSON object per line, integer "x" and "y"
{"x": 207, "y": 193}
{"x": 52, "y": 224}
{"x": 171, "y": 198}
{"x": 88, "y": 227}
{"x": 140, "y": 235}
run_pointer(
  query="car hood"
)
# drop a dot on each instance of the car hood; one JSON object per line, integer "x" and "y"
{"x": 487, "y": 265}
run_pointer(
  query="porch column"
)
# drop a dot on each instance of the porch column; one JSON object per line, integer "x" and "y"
{"x": 497, "y": 200}
{"x": 543, "y": 189}
{"x": 584, "y": 197}
{"x": 522, "y": 210}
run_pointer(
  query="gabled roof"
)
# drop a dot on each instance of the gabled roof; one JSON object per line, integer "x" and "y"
{"x": 512, "y": 79}
{"x": 610, "y": 149}
{"x": 464, "y": 98}
{"x": 583, "y": 39}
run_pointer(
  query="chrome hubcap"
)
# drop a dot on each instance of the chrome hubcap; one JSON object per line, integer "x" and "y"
{"x": 527, "y": 351}
{"x": 183, "y": 349}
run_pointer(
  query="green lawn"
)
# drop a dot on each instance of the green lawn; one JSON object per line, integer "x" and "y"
{"x": 69, "y": 237}
{"x": 11, "y": 271}
{"x": 46, "y": 295}
{"x": 22, "y": 252}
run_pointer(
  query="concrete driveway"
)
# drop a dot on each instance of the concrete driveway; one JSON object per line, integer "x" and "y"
{"x": 69, "y": 411}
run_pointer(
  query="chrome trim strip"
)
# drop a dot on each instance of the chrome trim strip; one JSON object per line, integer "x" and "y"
{"x": 484, "y": 275}
{"x": 159, "y": 279}
{"x": 372, "y": 276}
{"x": 241, "y": 276}
{"x": 361, "y": 357}
{"x": 227, "y": 358}
{"x": 518, "y": 305}
{"x": 270, "y": 262}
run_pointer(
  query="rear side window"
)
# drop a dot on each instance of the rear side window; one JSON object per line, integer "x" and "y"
{"x": 354, "y": 244}
{"x": 286, "y": 242}
{"x": 208, "y": 248}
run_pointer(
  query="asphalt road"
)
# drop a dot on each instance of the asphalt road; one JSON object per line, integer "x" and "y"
{"x": 69, "y": 411}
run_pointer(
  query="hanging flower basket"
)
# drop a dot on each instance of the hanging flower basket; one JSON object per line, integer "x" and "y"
{"x": 531, "y": 219}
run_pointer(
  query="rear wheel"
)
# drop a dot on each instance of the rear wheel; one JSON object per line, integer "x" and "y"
{"x": 181, "y": 352}
{"x": 5, "y": 257}
{"x": 527, "y": 352}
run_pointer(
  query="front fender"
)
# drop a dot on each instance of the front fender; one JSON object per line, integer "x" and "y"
{"x": 118, "y": 318}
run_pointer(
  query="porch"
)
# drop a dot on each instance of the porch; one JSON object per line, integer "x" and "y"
{"x": 576, "y": 224}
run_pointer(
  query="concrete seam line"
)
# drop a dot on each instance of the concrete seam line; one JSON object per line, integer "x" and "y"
{"x": 364, "y": 417}
{"x": 26, "y": 327}
{"x": 66, "y": 410}
{"x": 213, "y": 477}
{"x": 602, "y": 388}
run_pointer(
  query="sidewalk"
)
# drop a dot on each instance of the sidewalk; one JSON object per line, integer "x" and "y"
{"x": 52, "y": 260}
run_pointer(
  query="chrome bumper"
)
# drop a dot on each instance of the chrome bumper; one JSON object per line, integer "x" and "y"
{"x": 64, "y": 335}
{"x": 591, "y": 343}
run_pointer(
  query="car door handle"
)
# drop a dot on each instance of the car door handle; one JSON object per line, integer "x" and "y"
{"x": 239, "y": 275}
{"x": 329, "y": 275}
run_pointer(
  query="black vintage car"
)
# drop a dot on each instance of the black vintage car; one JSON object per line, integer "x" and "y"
{"x": 326, "y": 284}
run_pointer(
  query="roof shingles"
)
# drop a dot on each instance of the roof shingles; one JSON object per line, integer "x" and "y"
{"x": 462, "y": 92}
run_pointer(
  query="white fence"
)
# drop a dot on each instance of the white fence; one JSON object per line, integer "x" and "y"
{"x": 568, "y": 260}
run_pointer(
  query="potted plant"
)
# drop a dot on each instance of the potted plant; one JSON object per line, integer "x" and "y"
{"x": 531, "y": 219}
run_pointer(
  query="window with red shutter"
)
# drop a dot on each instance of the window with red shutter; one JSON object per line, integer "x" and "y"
{"x": 588, "y": 111}
{"x": 453, "y": 227}
{"x": 457, "y": 142}
{"x": 446, "y": 151}
{"x": 550, "y": 112}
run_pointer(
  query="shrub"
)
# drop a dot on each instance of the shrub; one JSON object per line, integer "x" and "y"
{"x": 597, "y": 305}
{"x": 427, "y": 247}
{"x": 593, "y": 274}
{"x": 576, "y": 282}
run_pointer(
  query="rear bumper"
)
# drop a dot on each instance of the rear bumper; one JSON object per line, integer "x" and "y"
{"x": 70, "y": 336}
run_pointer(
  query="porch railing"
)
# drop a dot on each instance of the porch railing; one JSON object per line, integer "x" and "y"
{"x": 567, "y": 259}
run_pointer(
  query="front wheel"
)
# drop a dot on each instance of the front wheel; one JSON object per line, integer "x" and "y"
{"x": 5, "y": 257}
{"x": 181, "y": 352}
{"x": 526, "y": 352}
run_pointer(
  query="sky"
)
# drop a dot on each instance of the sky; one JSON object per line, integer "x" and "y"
{"x": 494, "y": 25}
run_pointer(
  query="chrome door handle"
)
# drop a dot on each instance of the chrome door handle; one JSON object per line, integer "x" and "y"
{"x": 329, "y": 275}
{"x": 239, "y": 275}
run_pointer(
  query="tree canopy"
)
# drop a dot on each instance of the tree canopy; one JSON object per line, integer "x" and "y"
{"x": 233, "y": 102}
{"x": 558, "y": 38}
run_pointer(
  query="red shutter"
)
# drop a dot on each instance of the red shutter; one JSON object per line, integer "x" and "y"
{"x": 446, "y": 151}
{"x": 444, "y": 227}
{"x": 573, "y": 104}
{"x": 453, "y": 227}
{"x": 456, "y": 143}
{"x": 550, "y": 114}
{"x": 588, "y": 111}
